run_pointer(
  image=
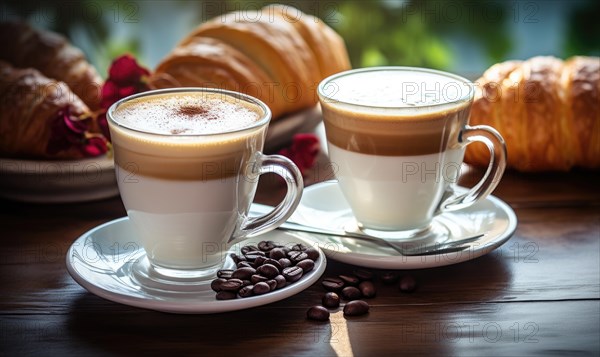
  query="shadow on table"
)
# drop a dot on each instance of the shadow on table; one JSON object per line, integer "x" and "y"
{"x": 104, "y": 326}
{"x": 396, "y": 320}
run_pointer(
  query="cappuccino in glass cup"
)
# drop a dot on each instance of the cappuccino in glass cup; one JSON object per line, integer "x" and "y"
{"x": 397, "y": 137}
{"x": 187, "y": 162}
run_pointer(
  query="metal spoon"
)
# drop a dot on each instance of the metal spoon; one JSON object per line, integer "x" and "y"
{"x": 437, "y": 248}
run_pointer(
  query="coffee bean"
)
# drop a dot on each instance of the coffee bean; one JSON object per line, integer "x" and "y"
{"x": 306, "y": 265}
{"x": 259, "y": 261}
{"x": 251, "y": 256}
{"x": 261, "y": 288}
{"x": 292, "y": 274}
{"x": 281, "y": 282}
{"x": 237, "y": 258}
{"x": 299, "y": 247}
{"x": 356, "y": 308}
{"x": 224, "y": 273}
{"x": 268, "y": 270}
{"x": 363, "y": 274}
{"x": 244, "y": 264}
{"x": 350, "y": 279}
{"x": 351, "y": 293}
{"x": 248, "y": 248}
{"x": 232, "y": 285}
{"x": 285, "y": 262}
{"x": 332, "y": 284}
{"x": 277, "y": 253}
{"x": 246, "y": 291}
{"x": 312, "y": 253}
{"x": 318, "y": 313}
{"x": 266, "y": 246}
{"x": 226, "y": 295}
{"x": 389, "y": 277}
{"x": 331, "y": 300}
{"x": 257, "y": 278}
{"x": 367, "y": 289}
{"x": 272, "y": 284}
{"x": 243, "y": 273}
{"x": 216, "y": 284}
{"x": 265, "y": 267}
{"x": 273, "y": 262}
{"x": 408, "y": 284}
{"x": 296, "y": 256}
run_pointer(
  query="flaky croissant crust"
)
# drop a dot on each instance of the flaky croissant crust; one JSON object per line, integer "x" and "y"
{"x": 262, "y": 53}
{"x": 547, "y": 110}
{"x": 29, "y": 102}
{"x": 52, "y": 55}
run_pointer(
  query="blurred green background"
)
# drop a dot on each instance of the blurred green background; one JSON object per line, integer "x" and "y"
{"x": 462, "y": 36}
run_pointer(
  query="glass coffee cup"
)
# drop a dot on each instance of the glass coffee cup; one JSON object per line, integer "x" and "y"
{"x": 397, "y": 137}
{"x": 187, "y": 162}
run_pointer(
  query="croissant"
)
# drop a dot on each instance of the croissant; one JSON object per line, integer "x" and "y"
{"x": 51, "y": 54}
{"x": 200, "y": 64}
{"x": 547, "y": 110}
{"x": 261, "y": 53}
{"x": 326, "y": 45}
{"x": 42, "y": 118}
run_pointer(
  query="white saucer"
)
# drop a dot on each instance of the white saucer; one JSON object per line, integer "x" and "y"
{"x": 60, "y": 181}
{"x": 324, "y": 206}
{"x": 101, "y": 259}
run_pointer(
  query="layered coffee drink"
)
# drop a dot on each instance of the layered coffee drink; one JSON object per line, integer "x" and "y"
{"x": 184, "y": 164}
{"x": 394, "y": 137}
{"x": 165, "y": 135}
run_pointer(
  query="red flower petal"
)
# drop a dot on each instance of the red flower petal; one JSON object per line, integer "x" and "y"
{"x": 66, "y": 131}
{"x": 127, "y": 91}
{"x": 110, "y": 94}
{"x": 103, "y": 124}
{"x": 125, "y": 70}
{"x": 303, "y": 151}
{"x": 95, "y": 146}
{"x": 75, "y": 125}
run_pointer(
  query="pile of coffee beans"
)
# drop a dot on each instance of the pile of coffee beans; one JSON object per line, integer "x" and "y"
{"x": 352, "y": 288}
{"x": 263, "y": 268}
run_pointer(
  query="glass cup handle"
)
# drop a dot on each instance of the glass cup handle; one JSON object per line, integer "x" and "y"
{"x": 292, "y": 176}
{"x": 495, "y": 144}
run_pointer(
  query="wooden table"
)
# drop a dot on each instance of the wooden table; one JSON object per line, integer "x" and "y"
{"x": 537, "y": 294}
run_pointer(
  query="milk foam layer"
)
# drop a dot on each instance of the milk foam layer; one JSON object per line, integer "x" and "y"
{"x": 152, "y": 150}
{"x": 186, "y": 113}
{"x": 393, "y": 89}
{"x": 395, "y": 112}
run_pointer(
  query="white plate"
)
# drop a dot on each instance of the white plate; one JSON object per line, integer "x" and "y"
{"x": 101, "y": 259}
{"x": 324, "y": 206}
{"x": 45, "y": 181}
{"x": 282, "y": 130}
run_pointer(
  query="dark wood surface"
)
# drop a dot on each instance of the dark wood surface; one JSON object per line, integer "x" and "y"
{"x": 539, "y": 294}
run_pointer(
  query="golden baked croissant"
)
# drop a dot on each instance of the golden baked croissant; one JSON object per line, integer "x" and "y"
{"x": 547, "y": 110}
{"x": 327, "y": 46}
{"x": 42, "y": 118}
{"x": 208, "y": 62}
{"x": 51, "y": 54}
{"x": 261, "y": 53}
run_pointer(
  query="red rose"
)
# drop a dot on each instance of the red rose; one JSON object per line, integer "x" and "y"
{"x": 127, "y": 91}
{"x": 70, "y": 131}
{"x": 110, "y": 94}
{"x": 125, "y": 77}
{"x": 303, "y": 151}
{"x": 125, "y": 70}
{"x": 94, "y": 146}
